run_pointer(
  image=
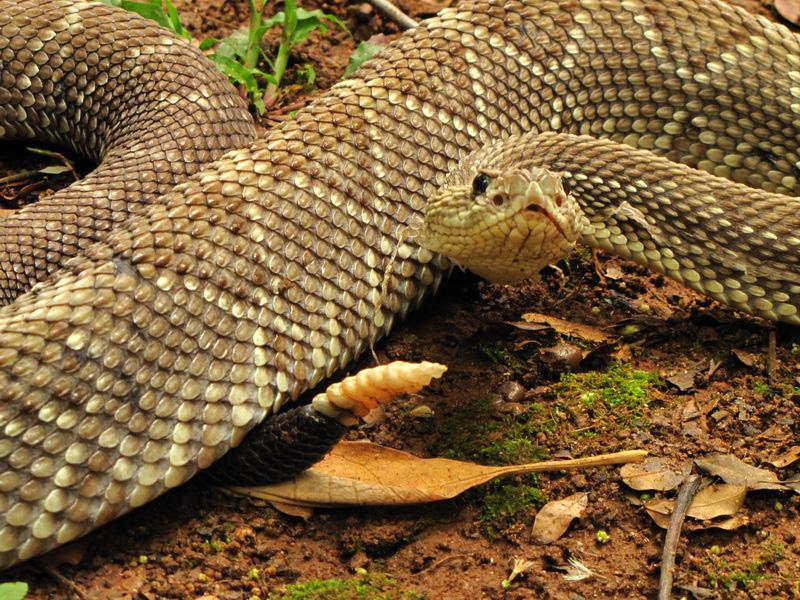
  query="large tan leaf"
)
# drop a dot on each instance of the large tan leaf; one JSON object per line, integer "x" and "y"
{"x": 362, "y": 473}
{"x": 718, "y": 500}
{"x": 656, "y": 473}
{"x": 554, "y": 517}
{"x": 732, "y": 470}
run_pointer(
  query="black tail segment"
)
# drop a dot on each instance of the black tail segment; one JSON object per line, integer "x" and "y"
{"x": 278, "y": 449}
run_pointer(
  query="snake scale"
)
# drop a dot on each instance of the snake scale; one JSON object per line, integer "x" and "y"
{"x": 153, "y": 351}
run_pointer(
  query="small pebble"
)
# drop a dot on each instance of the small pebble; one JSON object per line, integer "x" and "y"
{"x": 423, "y": 411}
{"x": 561, "y": 358}
{"x": 512, "y": 391}
{"x": 512, "y": 408}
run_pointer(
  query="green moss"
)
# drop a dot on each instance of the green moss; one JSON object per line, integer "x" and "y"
{"x": 772, "y": 552}
{"x": 473, "y": 432}
{"x": 500, "y": 355}
{"x": 370, "y": 586}
{"x": 724, "y": 575}
{"x": 505, "y": 502}
{"x": 759, "y": 386}
{"x": 619, "y": 393}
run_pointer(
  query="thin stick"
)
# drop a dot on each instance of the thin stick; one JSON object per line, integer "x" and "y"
{"x": 17, "y": 176}
{"x": 601, "y": 460}
{"x": 70, "y": 585}
{"x": 682, "y": 502}
{"x": 391, "y": 12}
{"x": 439, "y": 563}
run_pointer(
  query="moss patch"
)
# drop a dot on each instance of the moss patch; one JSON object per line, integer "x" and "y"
{"x": 369, "y": 586}
{"x": 473, "y": 432}
{"x": 725, "y": 575}
{"x": 506, "y": 501}
{"x": 619, "y": 393}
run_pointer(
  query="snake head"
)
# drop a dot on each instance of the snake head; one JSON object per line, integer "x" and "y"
{"x": 505, "y": 225}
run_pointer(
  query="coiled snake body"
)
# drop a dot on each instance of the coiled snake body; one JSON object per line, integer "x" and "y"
{"x": 151, "y": 353}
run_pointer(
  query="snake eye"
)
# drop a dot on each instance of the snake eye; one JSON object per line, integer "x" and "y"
{"x": 566, "y": 185}
{"x": 480, "y": 184}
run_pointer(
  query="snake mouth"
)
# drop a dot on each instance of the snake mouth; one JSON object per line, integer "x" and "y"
{"x": 536, "y": 208}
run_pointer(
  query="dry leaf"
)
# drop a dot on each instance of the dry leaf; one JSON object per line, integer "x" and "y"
{"x": 613, "y": 271}
{"x": 555, "y": 517}
{"x": 686, "y": 379}
{"x": 655, "y": 473}
{"x": 732, "y": 470}
{"x": 293, "y": 510}
{"x": 728, "y": 524}
{"x": 660, "y": 510}
{"x": 568, "y": 328}
{"x": 362, "y": 473}
{"x": 748, "y": 359}
{"x": 717, "y": 500}
{"x": 791, "y": 456}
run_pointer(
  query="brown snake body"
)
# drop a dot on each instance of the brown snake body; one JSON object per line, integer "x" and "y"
{"x": 152, "y": 352}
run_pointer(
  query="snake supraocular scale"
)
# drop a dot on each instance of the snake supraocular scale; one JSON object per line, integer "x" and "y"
{"x": 153, "y": 352}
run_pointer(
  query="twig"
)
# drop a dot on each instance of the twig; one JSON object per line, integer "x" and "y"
{"x": 58, "y": 156}
{"x": 70, "y": 585}
{"x": 682, "y": 502}
{"x": 439, "y": 563}
{"x": 598, "y": 268}
{"x": 17, "y": 176}
{"x": 391, "y": 12}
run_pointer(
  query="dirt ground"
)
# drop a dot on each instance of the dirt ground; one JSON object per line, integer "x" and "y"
{"x": 505, "y": 398}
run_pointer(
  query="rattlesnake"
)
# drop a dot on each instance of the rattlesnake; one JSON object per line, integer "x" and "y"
{"x": 155, "y": 350}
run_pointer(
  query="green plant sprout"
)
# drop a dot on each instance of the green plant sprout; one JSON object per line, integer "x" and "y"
{"x": 360, "y": 55}
{"x": 238, "y": 54}
{"x": 162, "y": 12}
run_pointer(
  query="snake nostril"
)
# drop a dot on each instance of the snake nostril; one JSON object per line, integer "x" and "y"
{"x": 498, "y": 200}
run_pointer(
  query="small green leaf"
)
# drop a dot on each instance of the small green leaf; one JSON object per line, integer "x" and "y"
{"x": 318, "y": 14}
{"x": 308, "y": 73}
{"x": 175, "y": 21}
{"x": 16, "y": 590}
{"x": 154, "y": 10}
{"x": 207, "y": 43}
{"x": 233, "y": 46}
{"x": 244, "y": 76}
{"x": 148, "y": 10}
{"x": 276, "y": 19}
{"x": 309, "y": 20}
{"x": 360, "y": 55}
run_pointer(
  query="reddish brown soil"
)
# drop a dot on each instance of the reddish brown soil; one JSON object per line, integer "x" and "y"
{"x": 204, "y": 543}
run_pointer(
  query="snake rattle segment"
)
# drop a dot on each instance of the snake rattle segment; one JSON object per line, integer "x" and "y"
{"x": 148, "y": 328}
